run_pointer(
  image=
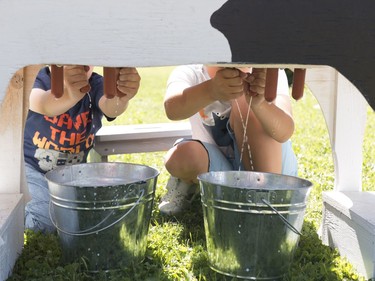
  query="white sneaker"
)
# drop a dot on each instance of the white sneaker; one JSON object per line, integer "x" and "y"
{"x": 178, "y": 197}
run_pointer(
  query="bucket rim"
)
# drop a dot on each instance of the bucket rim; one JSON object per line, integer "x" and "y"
{"x": 49, "y": 174}
{"x": 306, "y": 184}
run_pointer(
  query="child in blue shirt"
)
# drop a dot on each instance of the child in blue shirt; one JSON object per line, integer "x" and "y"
{"x": 62, "y": 131}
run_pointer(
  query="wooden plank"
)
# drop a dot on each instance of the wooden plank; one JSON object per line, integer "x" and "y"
{"x": 12, "y": 116}
{"x": 140, "y": 138}
{"x": 29, "y": 74}
{"x": 337, "y": 33}
{"x": 11, "y": 131}
{"x": 350, "y": 122}
{"x": 143, "y": 131}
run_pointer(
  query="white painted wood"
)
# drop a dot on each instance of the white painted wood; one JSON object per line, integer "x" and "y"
{"x": 108, "y": 33}
{"x": 349, "y": 225}
{"x": 348, "y": 222}
{"x": 344, "y": 110}
{"x": 11, "y": 231}
{"x": 143, "y": 131}
{"x": 12, "y": 115}
{"x": 138, "y": 138}
{"x": 350, "y": 121}
{"x": 11, "y": 131}
{"x": 29, "y": 74}
{"x": 322, "y": 82}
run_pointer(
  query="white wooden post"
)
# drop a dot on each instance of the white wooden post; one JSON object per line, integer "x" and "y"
{"x": 347, "y": 140}
{"x": 348, "y": 215}
{"x": 11, "y": 201}
{"x": 11, "y": 120}
{"x": 344, "y": 110}
{"x": 13, "y": 191}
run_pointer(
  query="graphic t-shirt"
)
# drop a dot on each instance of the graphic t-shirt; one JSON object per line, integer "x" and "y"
{"x": 67, "y": 138}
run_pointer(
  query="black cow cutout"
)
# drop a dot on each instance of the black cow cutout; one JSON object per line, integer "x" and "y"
{"x": 337, "y": 33}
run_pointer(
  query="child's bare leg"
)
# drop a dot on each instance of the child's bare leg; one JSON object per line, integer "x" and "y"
{"x": 187, "y": 160}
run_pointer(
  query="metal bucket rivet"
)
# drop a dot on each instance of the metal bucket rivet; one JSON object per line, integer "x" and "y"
{"x": 252, "y": 222}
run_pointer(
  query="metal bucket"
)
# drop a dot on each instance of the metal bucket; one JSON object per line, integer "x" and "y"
{"x": 252, "y": 222}
{"x": 102, "y": 212}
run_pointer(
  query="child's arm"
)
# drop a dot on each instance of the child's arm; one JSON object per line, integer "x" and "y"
{"x": 44, "y": 102}
{"x": 275, "y": 117}
{"x": 128, "y": 84}
{"x": 181, "y": 103}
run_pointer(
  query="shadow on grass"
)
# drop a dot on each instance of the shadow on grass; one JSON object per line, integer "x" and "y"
{"x": 176, "y": 250}
{"x": 312, "y": 260}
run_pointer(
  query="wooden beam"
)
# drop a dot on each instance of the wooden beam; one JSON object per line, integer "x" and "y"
{"x": 11, "y": 120}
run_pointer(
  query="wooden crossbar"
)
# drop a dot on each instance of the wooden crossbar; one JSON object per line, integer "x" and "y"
{"x": 124, "y": 139}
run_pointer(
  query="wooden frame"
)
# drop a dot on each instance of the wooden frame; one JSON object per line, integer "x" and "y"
{"x": 307, "y": 34}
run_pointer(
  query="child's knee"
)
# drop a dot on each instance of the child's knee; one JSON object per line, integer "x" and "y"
{"x": 186, "y": 157}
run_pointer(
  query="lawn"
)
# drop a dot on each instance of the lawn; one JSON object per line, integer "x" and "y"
{"x": 176, "y": 246}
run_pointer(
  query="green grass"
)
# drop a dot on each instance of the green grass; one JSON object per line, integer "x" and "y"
{"x": 147, "y": 105}
{"x": 176, "y": 246}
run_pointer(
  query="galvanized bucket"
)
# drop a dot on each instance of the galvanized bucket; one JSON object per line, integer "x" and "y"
{"x": 252, "y": 222}
{"x": 102, "y": 212}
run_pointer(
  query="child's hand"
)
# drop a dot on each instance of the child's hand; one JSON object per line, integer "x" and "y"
{"x": 228, "y": 84}
{"x": 76, "y": 78}
{"x": 128, "y": 82}
{"x": 255, "y": 88}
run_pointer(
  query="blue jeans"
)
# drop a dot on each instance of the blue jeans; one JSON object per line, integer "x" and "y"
{"x": 221, "y": 162}
{"x": 228, "y": 159}
{"x": 37, "y": 216}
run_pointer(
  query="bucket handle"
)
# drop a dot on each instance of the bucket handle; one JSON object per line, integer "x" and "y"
{"x": 288, "y": 224}
{"x": 88, "y": 231}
